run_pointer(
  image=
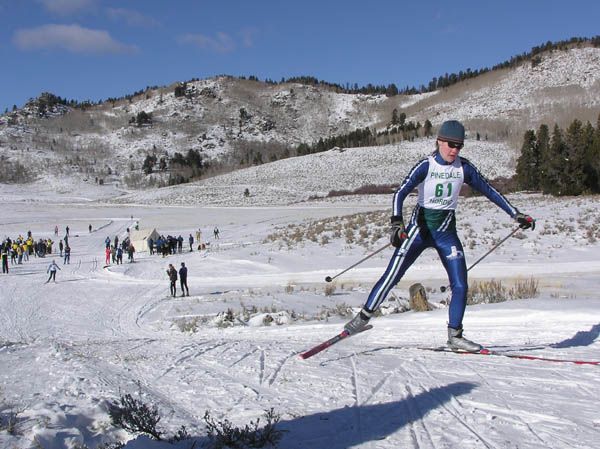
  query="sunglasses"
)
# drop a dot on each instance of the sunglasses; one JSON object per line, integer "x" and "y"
{"x": 455, "y": 145}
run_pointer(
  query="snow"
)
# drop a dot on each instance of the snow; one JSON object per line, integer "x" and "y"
{"x": 526, "y": 93}
{"x": 312, "y": 176}
{"x": 70, "y": 348}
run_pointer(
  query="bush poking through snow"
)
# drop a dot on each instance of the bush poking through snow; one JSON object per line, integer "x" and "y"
{"x": 223, "y": 434}
{"x": 488, "y": 292}
{"x": 524, "y": 288}
{"x": 134, "y": 416}
{"x": 329, "y": 289}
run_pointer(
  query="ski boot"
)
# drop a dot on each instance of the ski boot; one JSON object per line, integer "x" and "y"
{"x": 457, "y": 342}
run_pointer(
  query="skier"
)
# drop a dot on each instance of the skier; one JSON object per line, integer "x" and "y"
{"x": 52, "y": 270}
{"x": 183, "y": 280}
{"x": 438, "y": 178}
{"x": 172, "y": 273}
{"x": 216, "y": 232}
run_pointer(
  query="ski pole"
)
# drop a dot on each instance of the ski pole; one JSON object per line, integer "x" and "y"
{"x": 445, "y": 287}
{"x": 329, "y": 278}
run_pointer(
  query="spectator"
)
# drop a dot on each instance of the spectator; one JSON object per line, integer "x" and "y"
{"x": 4, "y": 258}
{"x": 130, "y": 251}
{"x": 185, "y": 291}
{"x": 67, "y": 259}
{"x": 172, "y": 273}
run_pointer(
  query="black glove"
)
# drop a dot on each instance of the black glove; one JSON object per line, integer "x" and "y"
{"x": 398, "y": 233}
{"x": 358, "y": 323}
{"x": 525, "y": 221}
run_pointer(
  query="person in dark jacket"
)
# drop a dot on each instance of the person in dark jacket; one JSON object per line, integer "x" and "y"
{"x": 67, "y": 259}
{"x": 185, "y": 291}
{"x": 172, "y": 273}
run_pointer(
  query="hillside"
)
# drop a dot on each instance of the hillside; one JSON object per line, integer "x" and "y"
{"x": 226, "y": 119}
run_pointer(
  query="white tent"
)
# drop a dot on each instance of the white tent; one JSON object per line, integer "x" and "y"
{"x": 139, "y": 238}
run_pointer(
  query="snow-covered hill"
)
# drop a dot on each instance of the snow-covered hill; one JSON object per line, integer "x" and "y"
{"x": 298, "y": 179}
{"x": 223, "y": 117}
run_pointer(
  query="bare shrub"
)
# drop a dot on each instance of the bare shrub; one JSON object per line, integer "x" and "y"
{"x": 8, "y": 422}
{"x": 486, "y": 292}
{"x": 134, "y": 416}
{"x": 522, "y": 289}
{"x": 329, "y": 289}
{"x": 349, "y": 235}
{"x": 223, "y": 434}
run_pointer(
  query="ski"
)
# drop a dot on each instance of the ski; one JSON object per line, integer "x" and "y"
{"x": 333, "y": 340}
{"x": 490, "y": 352}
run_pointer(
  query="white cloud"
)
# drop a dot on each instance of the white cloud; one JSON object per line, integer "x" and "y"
{"x": 248, "y": 35}
{"x": 66, "y": 7}
{"x": 132, "y": 17}
{"x": 73, "y": 38}
{"x": 221, "y": 43}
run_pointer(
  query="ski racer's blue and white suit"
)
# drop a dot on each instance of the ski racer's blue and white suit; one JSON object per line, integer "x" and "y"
{"x": 433, "y": 225}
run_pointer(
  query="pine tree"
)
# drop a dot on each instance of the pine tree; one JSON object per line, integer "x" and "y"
{"x": 427, "y": 126}
{"x": 543, "y": 146}
{"x": 574, "y": 175}
{"x": 593, "y": 156}
{"x": 554, "y": 180}
{"x": 590, "y": 157}
{"x": 528, "y": 163}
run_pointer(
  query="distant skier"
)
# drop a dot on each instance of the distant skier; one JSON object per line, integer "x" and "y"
{"x": 438, "y": 178}
{"x": 216, "y": 232}
{"x": 191, "y": 241}
{"x": 52, "y": 270}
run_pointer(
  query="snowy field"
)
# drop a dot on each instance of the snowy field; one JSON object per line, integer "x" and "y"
{"x": 68, "y": 349}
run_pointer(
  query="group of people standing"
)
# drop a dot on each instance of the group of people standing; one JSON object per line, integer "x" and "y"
{"x": 172, "y": 273}
{"x": 113, "y": 251}
{"x": 19, "y": 249}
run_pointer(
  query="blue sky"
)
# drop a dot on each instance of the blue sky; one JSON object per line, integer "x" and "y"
{"x": 96, "y": 49}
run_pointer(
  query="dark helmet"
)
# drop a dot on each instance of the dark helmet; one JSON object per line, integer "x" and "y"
{"x": 452, "y": 131}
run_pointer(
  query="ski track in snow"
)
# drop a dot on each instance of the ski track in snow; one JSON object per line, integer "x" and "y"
{"x": 69, "y": 347}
